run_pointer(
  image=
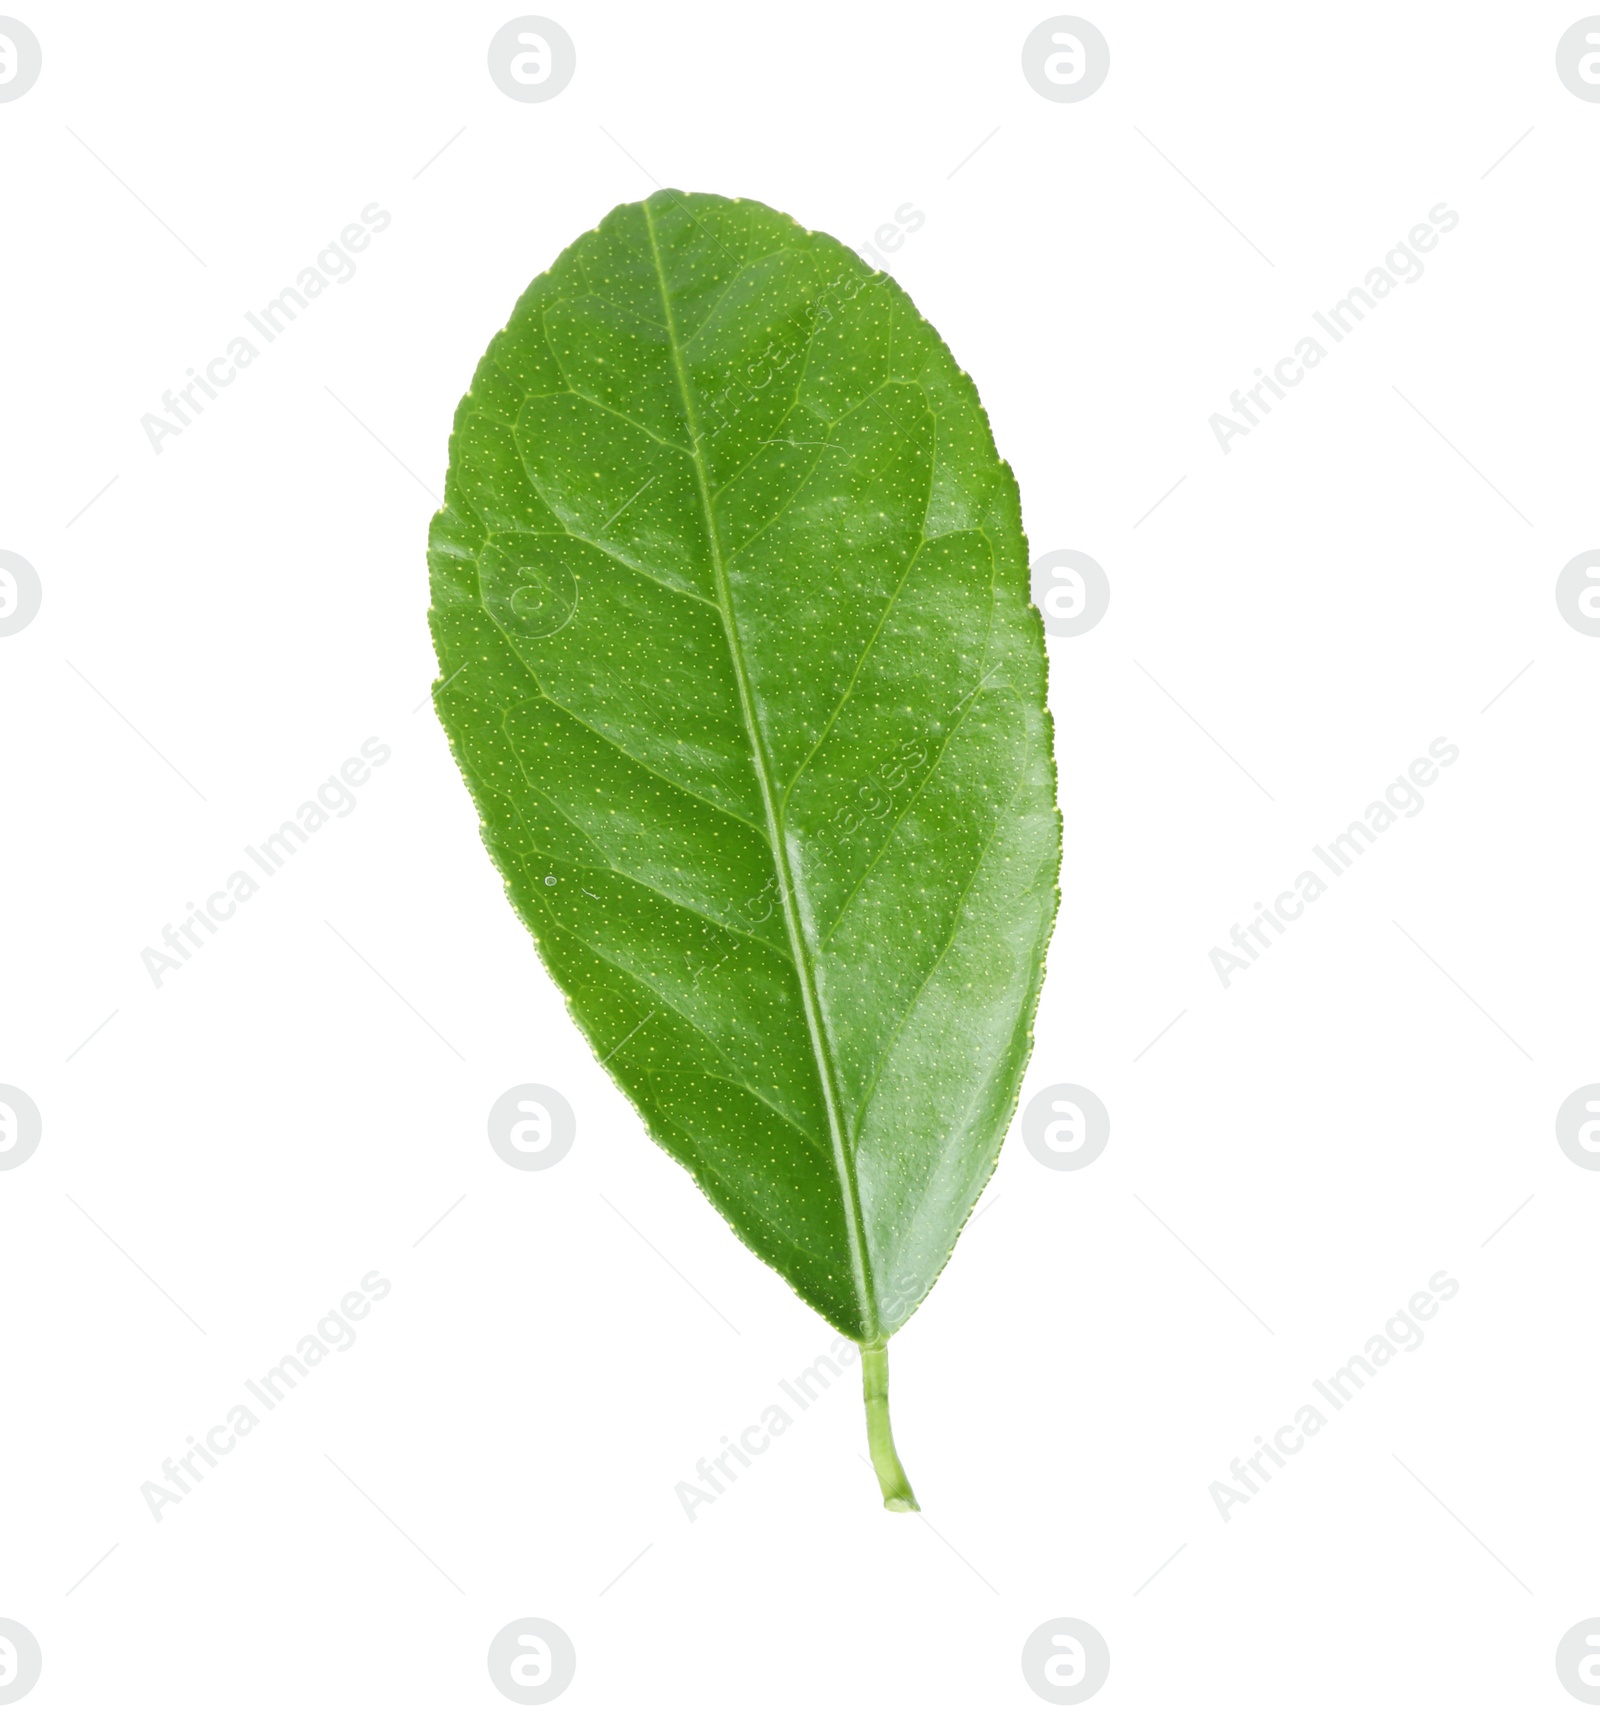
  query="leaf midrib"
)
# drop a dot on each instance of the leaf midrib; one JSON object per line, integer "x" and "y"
{"x": 822, "y": 1051}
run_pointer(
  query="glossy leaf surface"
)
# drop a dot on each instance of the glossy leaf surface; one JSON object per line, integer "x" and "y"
{"x": 736, "y": 656}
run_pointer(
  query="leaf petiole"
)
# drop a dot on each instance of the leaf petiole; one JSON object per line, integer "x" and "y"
{"x": 897, "y": 1495}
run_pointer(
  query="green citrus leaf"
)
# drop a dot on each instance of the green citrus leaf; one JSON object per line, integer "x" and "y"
{"x": 737, "y": 658}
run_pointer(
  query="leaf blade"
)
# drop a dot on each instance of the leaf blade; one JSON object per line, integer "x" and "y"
{"x": 797, "y": 894}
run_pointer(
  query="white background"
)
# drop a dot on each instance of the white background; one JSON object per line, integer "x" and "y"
{"x": 1322, "y": 1136}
